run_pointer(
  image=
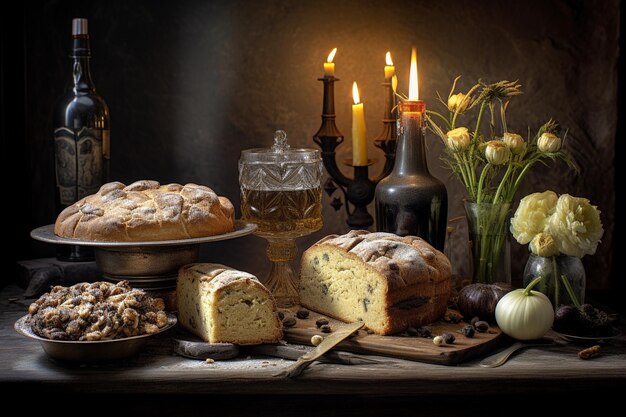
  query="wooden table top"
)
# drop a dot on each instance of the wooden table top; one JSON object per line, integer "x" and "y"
{"x": 550, "y": 369}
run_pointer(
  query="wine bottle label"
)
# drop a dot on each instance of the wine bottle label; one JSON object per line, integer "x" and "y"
{"x": 79, "y": 156}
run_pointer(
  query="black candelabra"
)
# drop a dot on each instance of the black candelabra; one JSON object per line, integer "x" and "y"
{"x": 358, "y": 191}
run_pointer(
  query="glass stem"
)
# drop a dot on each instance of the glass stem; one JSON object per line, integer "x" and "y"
{"x": 281, "y": 279}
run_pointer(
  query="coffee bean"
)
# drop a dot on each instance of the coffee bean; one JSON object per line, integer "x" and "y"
{"x": 289, "y": 322}
{"x": 481, "y": 326}
{"x": 302, "y": 313}
{"x": 448, "y": 338}
{"x": 320, "y": 322}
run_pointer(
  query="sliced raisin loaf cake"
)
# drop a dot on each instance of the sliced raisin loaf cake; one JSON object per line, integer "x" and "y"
{"x": 389, "y": 282}
{"x": 220, "y": 304}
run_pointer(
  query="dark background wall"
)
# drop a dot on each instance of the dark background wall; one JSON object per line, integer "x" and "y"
{"x": 190, "y": 84}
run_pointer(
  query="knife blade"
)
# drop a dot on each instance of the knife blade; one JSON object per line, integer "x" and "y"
{"x": 327, "y": 344}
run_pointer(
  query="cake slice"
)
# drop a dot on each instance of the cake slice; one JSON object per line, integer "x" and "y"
{"x": 387, "y": 281}
{"x": 223, "y": 305}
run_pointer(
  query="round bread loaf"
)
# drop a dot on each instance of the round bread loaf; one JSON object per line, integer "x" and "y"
{"x": 389, "y": 282}
{"x": 147, "y": 211}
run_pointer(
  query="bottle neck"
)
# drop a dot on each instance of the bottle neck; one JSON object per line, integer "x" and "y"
{"x": 81, "y": 56}
{"x": 411, "y": 148}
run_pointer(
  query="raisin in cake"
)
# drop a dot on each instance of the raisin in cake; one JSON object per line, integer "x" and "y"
{"x": 389, "y": 282}
{"x": 220, "y": 304}
{"x": 146, "y": 211}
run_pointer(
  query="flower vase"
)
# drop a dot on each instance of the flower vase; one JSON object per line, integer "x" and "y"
{"x": 489, "y": 241}
{"x": 555, "y": 270}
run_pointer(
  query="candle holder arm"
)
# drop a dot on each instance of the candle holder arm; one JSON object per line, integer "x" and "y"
{"x": 389, "y": 147}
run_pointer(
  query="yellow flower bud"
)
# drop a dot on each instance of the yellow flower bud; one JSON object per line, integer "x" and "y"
{"x": 458, "y": 139}
{"x": 497, "y": 152}
{"x": 549, "y": 143}
{"x": 514, "y": 142}
{"x": 458, "y": 102}
{"x": 543, "y": 244}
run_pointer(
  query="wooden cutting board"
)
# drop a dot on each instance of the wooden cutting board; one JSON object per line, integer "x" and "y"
{"x": 409, "y": 347}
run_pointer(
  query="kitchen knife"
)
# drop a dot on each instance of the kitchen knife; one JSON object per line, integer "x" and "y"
{"x": 327, "y": 344}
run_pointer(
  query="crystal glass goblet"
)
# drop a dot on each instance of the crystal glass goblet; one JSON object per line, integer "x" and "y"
{"x": 281, "y": 192}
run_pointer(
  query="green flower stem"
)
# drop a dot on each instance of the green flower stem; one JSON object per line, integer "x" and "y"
{"x": 518, "y": 181}
{"x": 503, "y": 182}
{"x": 471, "y": 177}
{"x": 440, "y": 116}
{"x": 570, "y": 291}
{"x": 503, "y": 116}
{"x": 453, "y": 124}
{"x": 463, "y": 170}
{"x": 479, "y": 192}
{"x": 480, "y": 116}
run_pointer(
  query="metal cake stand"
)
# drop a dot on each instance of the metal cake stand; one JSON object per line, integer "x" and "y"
{"x": 151, "y": 265}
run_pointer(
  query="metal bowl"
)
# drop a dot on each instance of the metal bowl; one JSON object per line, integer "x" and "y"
{"x": 91, "y": 351}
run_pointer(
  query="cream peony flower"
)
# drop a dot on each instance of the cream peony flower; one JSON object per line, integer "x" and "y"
{"x": 458, "y": 102}
{"x": 514, "y": 142}
{"x": 532, "y": 215}
{"x": 543, "y": 244}
{"x": 497, "y": 152}
{"x": 576, "y": 225}
{"x": 458, "y": 139}
{"x": 549, "y": 143}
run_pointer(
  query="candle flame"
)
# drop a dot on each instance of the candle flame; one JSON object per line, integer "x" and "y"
{"x": 331, "y": 56}
{"x": 414, "y": 93}
{"x": 355, "y": 94}
{"x": 394, "y": 82}
{"x": 388, "y": 58}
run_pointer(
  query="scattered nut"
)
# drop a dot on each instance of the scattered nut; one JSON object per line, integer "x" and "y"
{"x": 325, "y": 328}
{"x": 320, "y": 322}
{"x": 481, "y": 326}
{"x": 289, "y": 322}
{"x": 438, "y": 340}
{"x": 316, "y": 340}
{"x": 590, "y": 352}
{"x": 425, "y": 331}
{"x": 370, "y": 331}
{"x": 412, "y": 331}
{"x": 281, "y": 315}
{"x": 302, "y": 313}
{"x": 468, "y": 331}
{"x": 448, "y": 338}
{"x": 209, "y": 360}
{"x": 474, "y": 320}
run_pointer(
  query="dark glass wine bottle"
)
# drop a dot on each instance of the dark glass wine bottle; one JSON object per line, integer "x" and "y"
{"x": 410, "y": 201}
{"x": 81, "y": 138}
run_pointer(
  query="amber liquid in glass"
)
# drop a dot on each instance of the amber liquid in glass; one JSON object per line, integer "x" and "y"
{"x": 291, "y": 213}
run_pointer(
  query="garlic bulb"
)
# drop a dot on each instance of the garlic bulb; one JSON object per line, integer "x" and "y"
{"x": 525, "y": 314}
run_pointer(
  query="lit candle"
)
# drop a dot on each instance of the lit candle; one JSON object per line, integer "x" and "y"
{"x": 390, "y": 70}
{"x": 329, "y": 65}
{"x": 414, "y": 91}
{"x": 413, "y": 107}
{"x": 359, "y": 145}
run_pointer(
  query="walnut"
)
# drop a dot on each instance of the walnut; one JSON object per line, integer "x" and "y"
{"x": 98, "y": 311}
